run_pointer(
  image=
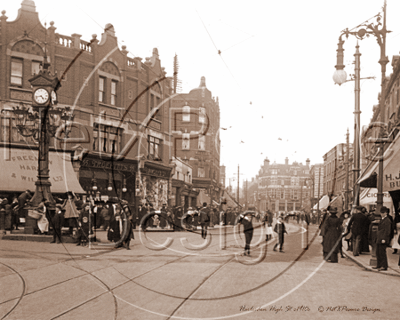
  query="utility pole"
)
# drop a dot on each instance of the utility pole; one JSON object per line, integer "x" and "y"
{"x": 301, "y": 194}
{"x": 238, "y": 186}
{"x": 246, "y": 206}
{"x": 346, "y": 198}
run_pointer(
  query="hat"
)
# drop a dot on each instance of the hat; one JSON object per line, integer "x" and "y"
{"x": 385, "y": 209}
{"x": 359, "y": 208}
{"x": 333, "y": 210}
{"x": 190, "y": 208}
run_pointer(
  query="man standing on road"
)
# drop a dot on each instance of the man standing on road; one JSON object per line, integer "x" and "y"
{"x": 382, "y": 240}
{"x": 357, "y": 224}
{"x": 204, "y": 219}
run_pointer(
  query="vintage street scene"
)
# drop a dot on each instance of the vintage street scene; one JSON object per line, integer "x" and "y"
{"x": 199, "y": 160}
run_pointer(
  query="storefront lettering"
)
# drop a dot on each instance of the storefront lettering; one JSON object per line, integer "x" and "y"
{"x": 27, "y": 178}
{"x": 155, "y": 172}
{"x": 22, "y": 167}
{"x": 389, "y": 177}
{"x": 108, "y": 165}
{"x": 394, "y": 184}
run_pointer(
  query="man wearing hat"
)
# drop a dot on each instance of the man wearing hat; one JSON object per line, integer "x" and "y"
{"x": 57, "y": 222}
{"x": 358, "y": 225}
{"x": 204, "y": 218}
{"x": 383, "y": 240}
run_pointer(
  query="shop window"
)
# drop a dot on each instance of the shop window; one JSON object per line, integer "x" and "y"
{"x": 113, "y": 93}
{"x": 102, "y": 82}
{"x": 106, "y": 139}
{"x": 16, "y": 72}
{"x": 186, "y": 114}
{"x": 155, "y": 146}
{"x": 35, "y": 67}
{"x": 202, "y": 143}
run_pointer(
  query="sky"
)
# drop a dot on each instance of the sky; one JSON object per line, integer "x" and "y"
{"x": 273, "y": 75}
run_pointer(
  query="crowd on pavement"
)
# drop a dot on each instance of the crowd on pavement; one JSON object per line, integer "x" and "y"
{"x": 360, "y": 230}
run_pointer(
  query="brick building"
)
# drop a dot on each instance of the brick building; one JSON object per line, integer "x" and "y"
{"x": 124, "y": 143}
{"x": 195, "y": 120}
{"x": 283, "y": 187}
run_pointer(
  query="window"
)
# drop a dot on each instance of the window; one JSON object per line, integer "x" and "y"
{"x": 16, "y": 72}
{"x": 274, "y": 171}
{"x": 283, "y": 194}
{"x": 155, "y": 145}
{"x": 106, "y": 138}
{"x": 9, "y": 131}
{"x": 113, "y": 93}
{"x": 186, "y": 114}
{"x": 202, "y": 143}
{"x": 35, "y": 67}
{"x": 102, "y": 82}
{"x": 201, "y": 173}
{"x": 202, "y": 115}
{"x": 185, "y": 141}
{"x": 295, "y": 194}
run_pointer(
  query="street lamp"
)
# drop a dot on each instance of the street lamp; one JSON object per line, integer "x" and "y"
{"x": 41, "y": 121}
{"x": 365, "y": 29}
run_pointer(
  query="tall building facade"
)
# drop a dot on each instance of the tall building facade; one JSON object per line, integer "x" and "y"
{"x": 121, "y": 136}
{"x": 195, "y": 120}
{"x": 284, "y": 187}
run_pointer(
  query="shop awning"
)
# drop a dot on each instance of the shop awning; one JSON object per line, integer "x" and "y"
{"x": 391, "y": 169}
{"x": 19, "y": 171}
{"x": 323, "y": 203}
{"x": 369, "y": 196}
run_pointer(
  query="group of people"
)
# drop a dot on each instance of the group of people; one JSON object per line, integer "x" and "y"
{"x": 357, "y": 230}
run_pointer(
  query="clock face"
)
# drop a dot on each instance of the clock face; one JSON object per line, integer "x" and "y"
{"x": 41, "y": 96}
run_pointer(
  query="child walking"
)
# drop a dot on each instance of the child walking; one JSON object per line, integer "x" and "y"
{"x": 280, "y": 229}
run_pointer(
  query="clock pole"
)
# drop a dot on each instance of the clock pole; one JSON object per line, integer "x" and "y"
{"x": 44, "y": 84}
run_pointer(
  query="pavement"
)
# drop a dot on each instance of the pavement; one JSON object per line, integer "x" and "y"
{"x": 364, "y": 261}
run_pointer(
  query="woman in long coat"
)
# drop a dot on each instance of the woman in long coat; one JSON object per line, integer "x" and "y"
{"x": 331, "y": 229}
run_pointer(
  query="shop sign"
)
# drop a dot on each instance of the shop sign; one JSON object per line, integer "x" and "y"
{"x": 111, "y": 165}
{"x": 155, "y": 173}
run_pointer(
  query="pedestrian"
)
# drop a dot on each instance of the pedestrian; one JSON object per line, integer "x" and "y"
{"x": 114, "y": 232}
{"x": 85, "y": 220}
{"x": 246, "y": 220}
{"x": 268, "y": 225}
{"x": 396, "y": 239}
{"x": 332, "y": 236}
{"x": 364, "y": 245}
{"x": 163, "y": 216}
{"x": 57, "y": 222}
{"x": 71, "y": 212}
{"x": 105, "y": 213}
{"x": 23, "y": 199}
{"x": 357, "y": 224}
{"x": 8, "y": 216}
{"x": 127, "y": 217}
{"x": 204, "y": 217}
{"x": 383, "y": 240}
{"x": 346, "y": 231}
{"x": 280, "y": 229}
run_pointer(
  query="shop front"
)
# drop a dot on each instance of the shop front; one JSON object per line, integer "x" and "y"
{"x": 19, "y": 170}
{"x": 391, "y": 174}
{"x": 105, "y": 179}
{"x": 154, "y": 184}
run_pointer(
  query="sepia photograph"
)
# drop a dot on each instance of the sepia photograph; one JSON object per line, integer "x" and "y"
{"x": 199, "y": 160}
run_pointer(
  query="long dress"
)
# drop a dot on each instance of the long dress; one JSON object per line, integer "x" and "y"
{"x": 332, "y": 232}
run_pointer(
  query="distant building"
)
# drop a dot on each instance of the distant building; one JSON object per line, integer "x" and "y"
{"x": 283, "y": 187}
{"x": 195, "y": 120}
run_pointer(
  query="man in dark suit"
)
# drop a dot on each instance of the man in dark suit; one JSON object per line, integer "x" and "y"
{"x": 383, "y": 240}
{"x": 204, "y": 218}
{"x": 358, "y": 224}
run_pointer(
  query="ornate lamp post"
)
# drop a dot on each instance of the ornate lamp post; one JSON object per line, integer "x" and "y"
{"x": 41, "y": 122}
{"x": 365, "y": 29}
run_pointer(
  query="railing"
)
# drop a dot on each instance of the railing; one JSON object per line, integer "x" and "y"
{"x": 69, "y": 42}
{"x": 64, "y": 41}
{"x": 85, "y": 45}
